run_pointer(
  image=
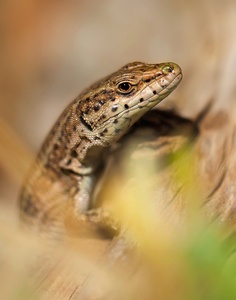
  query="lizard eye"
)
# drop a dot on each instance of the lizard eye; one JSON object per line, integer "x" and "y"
{"x": 124, "y": 87}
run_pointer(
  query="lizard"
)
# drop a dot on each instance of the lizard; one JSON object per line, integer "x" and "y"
{"x": 70, "y": 161}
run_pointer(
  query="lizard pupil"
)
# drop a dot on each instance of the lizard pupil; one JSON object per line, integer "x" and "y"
{"x": 124, "y": 86}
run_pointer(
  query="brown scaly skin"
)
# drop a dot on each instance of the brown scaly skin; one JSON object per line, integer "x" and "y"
{"x": 68, "y": 164}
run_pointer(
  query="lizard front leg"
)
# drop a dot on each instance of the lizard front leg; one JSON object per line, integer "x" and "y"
{"x": 81, "y": 217}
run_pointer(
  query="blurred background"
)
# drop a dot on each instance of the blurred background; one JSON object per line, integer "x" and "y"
{"x": 51, "y": 50}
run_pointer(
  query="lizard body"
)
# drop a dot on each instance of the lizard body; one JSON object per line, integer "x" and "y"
{"x": 69, "y": 162}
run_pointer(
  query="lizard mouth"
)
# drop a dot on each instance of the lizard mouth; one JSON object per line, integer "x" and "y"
{"x": 142, "y": 106}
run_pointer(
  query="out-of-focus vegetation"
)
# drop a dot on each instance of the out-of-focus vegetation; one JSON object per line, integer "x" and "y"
{"x": 188, "y": 259}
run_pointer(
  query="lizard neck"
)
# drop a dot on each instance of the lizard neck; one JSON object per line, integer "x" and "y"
{"x": 68, "y": 147}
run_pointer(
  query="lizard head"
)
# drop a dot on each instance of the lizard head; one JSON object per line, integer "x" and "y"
{"x": 111, "y": 106}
